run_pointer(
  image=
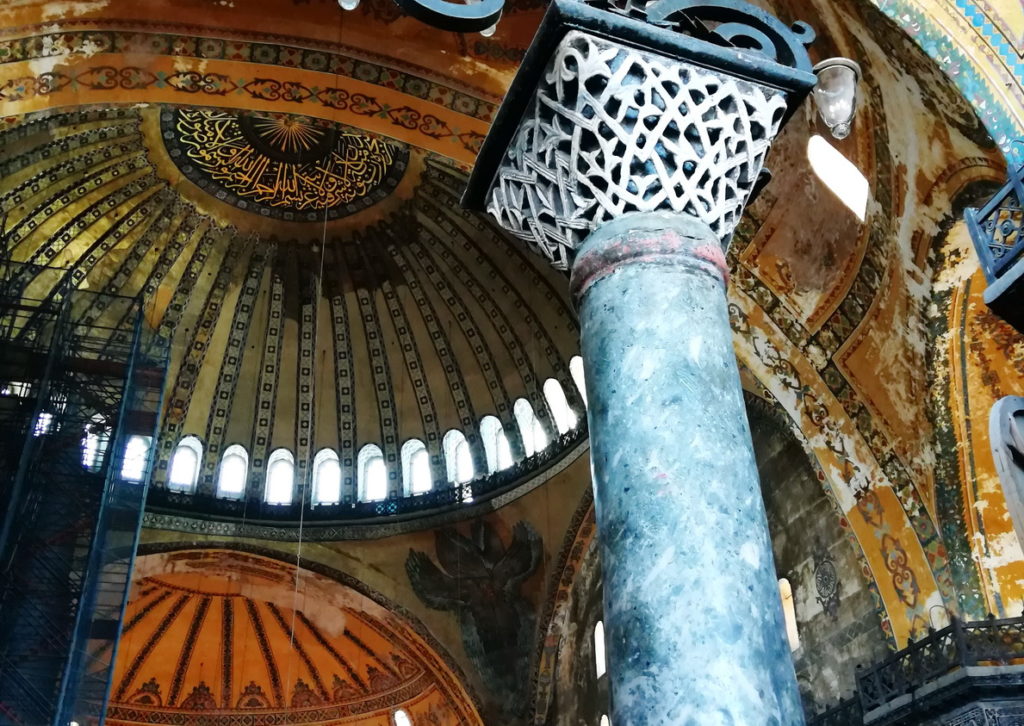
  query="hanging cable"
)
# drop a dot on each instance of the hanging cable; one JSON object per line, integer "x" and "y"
{"x": 307, "y": 495}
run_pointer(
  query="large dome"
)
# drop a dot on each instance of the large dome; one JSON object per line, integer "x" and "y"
{"x": 388, "y": 320}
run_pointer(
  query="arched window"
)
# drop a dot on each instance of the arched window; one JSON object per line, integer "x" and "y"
{"x": 605, "y": 721}
{"x": 280, "y": 477}
{"x": 326, "y": 478}
{"x": 565, "y": 419}
{"x": 1006, "y": 436}
{"x": 465, "y": 470}
{"x": 600, "y": 662}
{"x": 185, "y": 464}
{"x": 94, "y": 443}
{"x": 534, "y": 438}
{"x": 373, "y": 474}
{"x": 402, "y": 718}
{"x": 416, "y": 476}
{"x": 43, "y": 424}
{"x": 789, "y": 613}
{"x": 234, "y": 467}
{"x": 458, "y": 459}
{"x": 839, "y": 174}
{"x": 136, "y": 458}
{"x": 16, "y": 389}
{"x": 496, "y": 448}
{"x": 576, "y": 371}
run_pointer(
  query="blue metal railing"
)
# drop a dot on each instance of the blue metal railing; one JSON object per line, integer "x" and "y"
{"x": 997, "y": 229}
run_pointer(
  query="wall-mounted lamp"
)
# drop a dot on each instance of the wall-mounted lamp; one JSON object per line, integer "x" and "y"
{"x": 835, "y": 94}
{"x": 489, "y": 30}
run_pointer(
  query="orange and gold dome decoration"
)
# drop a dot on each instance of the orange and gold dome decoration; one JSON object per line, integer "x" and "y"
{"x": 221, "y": 637}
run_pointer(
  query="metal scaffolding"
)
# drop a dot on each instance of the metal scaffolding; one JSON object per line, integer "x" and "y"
{"x": 81, "y": 384}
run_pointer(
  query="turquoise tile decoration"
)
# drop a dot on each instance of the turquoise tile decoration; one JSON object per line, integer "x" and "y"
{"x": 993, "y": 112}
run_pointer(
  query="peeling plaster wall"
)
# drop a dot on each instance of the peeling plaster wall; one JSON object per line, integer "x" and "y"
{"x": 976, "y": 360}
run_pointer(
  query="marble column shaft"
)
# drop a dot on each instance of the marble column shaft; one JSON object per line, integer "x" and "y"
{"x": 694, "y": 626}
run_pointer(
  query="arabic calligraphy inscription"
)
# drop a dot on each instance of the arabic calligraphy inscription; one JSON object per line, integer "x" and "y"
{"x": 280, "y": 165}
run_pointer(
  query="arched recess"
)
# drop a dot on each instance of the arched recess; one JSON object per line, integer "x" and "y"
{"x": 952, "y": 344}
{"x": 912, "y": 577}
{"x": 227, "y": 632}
{"x": 836, "y": 599}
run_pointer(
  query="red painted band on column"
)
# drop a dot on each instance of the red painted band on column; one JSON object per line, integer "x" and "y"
{"x": 658, "y": 247}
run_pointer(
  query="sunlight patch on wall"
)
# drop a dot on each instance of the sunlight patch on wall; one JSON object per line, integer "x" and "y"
{"x": 839, "y": 174}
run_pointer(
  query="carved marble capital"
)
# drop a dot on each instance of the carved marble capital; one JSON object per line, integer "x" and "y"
{"x": 612, "y": 130}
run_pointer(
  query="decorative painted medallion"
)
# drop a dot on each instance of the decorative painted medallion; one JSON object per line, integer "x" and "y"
{"x": 826, "y": 580}
{"x": 283, "y": 166}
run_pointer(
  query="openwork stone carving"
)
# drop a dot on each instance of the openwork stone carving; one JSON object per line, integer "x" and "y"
{"x": 613, "y": 130}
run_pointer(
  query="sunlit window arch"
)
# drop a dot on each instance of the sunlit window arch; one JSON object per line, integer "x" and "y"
{"x": 576, "y": 371}
{"x": 326, "y": 478}
{"x": 232, "y": 473}
{"x": 401, "y": 718}
{"x": 496, "y": 448}
{"x": 372, "y": 474}
{"x": 600, "y": 659}
{"x": 280, "y": 486}
{"x": 789, "y": 613}
{"x": 95, "y": 440}
{"x": 534, "y": 437}
{"x": 135, "y": 464}
{"x": 416, "y": 475}
{"x": 458, "y": 458}
{"x": 565, "y": 418}
{"x": 186, "y": 462}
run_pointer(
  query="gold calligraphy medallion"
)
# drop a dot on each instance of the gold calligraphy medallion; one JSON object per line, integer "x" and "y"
{"x": 280, "y": 165}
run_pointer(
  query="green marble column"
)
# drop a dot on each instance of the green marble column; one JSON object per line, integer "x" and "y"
{"x": 693, "y": 621}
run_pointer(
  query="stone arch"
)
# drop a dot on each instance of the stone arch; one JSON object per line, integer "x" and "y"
{"x": 912, "y": 577}
{"x": 974, "y": 361}
{"x": 571, "y": 610}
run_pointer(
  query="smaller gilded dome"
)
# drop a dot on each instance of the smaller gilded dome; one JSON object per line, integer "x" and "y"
{"x": 280, "y": 165}
{"x": 223, "y": 638}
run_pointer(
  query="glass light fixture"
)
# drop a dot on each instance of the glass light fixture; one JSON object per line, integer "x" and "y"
{"x": 348, "y": 4}
{"x": 835, "y": 95}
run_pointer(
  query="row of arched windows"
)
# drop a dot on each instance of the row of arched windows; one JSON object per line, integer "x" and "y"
{"x": 371, "y": 468}
{"x": 600, "y": 660}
